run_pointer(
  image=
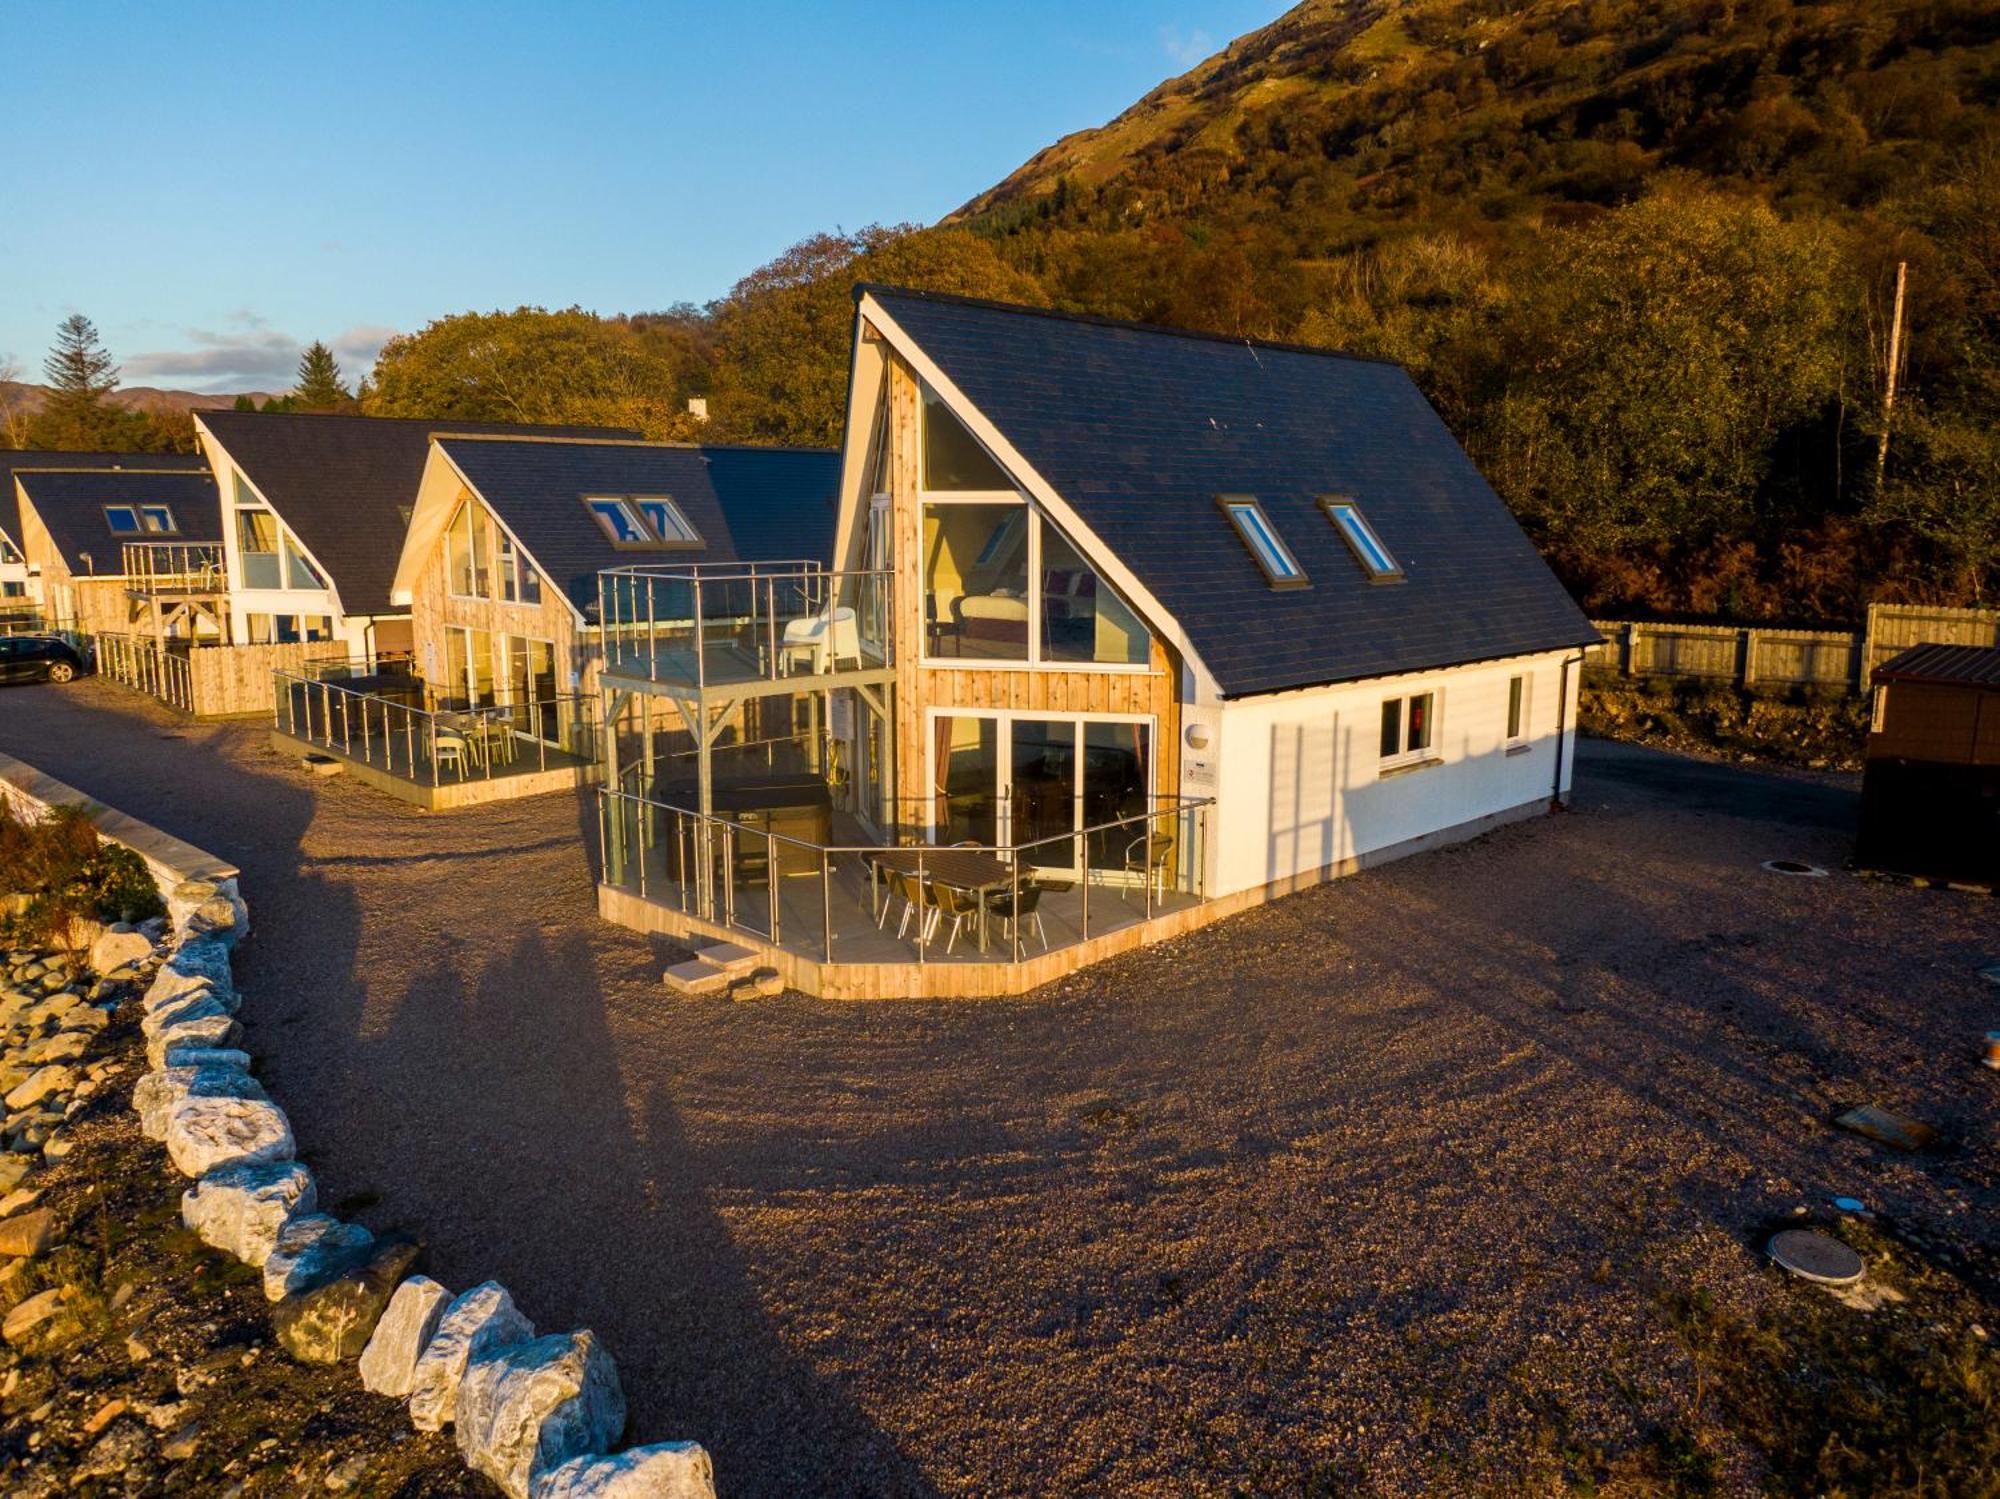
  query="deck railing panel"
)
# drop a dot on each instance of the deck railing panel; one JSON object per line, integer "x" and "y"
{"x": 175, "y": 566}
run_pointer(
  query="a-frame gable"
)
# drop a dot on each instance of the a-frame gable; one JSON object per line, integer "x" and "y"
{"x": 871, "y": 314}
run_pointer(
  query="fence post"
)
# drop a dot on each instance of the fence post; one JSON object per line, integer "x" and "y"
{"x": 1631, "y": 662}
{"x": 1865, "y": 667}
{"x": 1749, "y": 658}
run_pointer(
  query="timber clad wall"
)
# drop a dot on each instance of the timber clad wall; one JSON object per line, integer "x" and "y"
{"x": 433, "y": 608}
{"x": 1152, "y": 693}
{"x": 1946, "y": 725}
{"x": 234, "y": 681}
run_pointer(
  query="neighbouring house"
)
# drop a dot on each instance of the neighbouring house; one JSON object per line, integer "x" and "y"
{"x": 21, "y": 588}
{"x": 95, "y": 539}
{"x": 1930, "y": 787}
{"x": 1127, "y": 628}
{"x": 499, "y": 572}
{"x": 315, "y": 509}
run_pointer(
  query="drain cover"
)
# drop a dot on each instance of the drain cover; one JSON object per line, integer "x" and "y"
{"x": 1816, "y": 1257}
{"x": 1794, "y": 866}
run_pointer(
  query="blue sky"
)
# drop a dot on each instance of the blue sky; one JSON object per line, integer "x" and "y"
{"x": 216, "y": 184}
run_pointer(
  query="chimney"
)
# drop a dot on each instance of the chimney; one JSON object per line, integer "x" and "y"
{"x": 698, "y": 408}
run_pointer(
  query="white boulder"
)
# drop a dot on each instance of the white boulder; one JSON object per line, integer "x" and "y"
{"x": 665, "y": 1470}
{"x": 205, "y": 1133}
{"x": 483, "y": 1318}
{"x": 530, "y": 1407}
{"x": 312, "y": 1248}
{"x": 389, "y": 1362}
{"x": 155, "y": 1094}
{"x": 242, "y": 1209}
{"x": 205, "y": 1032}
{"x": 115, "y": 950}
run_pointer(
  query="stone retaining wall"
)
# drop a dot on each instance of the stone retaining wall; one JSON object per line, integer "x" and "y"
{"x": 536, "y": 1415}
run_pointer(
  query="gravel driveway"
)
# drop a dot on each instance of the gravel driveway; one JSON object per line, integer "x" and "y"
{"x": 1373, "y": 1187}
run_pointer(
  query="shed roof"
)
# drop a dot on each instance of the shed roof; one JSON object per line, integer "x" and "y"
{"x": 748, "y": 504}
{"x": 12, "y": 459}
{"x": 1944, "y": 665}
{"x": 346, "y": 484}
{"x": 71, "y": 503}
{"x": 1139, "y": 429}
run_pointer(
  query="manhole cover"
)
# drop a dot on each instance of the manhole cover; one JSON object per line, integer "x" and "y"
{"x": 1794, "y": 866}
{"x": 1816, "y": 1257}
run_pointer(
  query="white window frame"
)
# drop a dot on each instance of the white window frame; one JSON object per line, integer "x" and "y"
{"x": 1405, "y": 757}
{"x": 1523, "y": 728}
{"x": 1260, "y": 538}
{"x": 1368, "y": 548}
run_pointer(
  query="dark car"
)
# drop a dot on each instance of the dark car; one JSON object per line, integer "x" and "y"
{"x": 38, "y": 658}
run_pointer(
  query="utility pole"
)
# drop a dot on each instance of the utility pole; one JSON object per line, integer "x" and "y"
{"x": 1889, "y": 375}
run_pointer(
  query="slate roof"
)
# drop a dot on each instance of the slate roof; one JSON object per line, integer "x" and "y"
{"x": 345, "y": 484}
{"x": 31, "y": 458}
{"x": 748, "y": 504}
{"x": 1944, "y": 666}
{"x": 1140, "y": 429}
{"x": 71, "y": 504}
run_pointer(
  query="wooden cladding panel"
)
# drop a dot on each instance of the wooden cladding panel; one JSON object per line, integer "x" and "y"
{"x": 1153, "y": 693}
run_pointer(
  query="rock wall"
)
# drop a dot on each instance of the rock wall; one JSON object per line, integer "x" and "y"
{"x": 536, "y": 1415}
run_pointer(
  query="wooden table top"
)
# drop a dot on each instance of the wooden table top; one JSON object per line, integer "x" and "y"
{"x": 961, "y": 868}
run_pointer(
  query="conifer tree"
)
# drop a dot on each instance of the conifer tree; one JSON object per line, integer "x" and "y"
{"x": 319, "y": 387}
{"x": 78, "y": 413}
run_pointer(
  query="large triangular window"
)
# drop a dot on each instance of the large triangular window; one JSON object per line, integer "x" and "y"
{"x": 954, "y": 462}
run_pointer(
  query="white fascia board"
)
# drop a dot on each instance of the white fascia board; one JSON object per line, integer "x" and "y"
{"x": 1044, "y": 494}
{"x": 225, "y": 484}
{"x": 867, "y": 365}
{"x": 1398, "y": 679}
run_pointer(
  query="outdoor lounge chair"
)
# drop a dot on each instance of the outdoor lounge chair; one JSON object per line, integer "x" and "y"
{"x": 448, "y": 748}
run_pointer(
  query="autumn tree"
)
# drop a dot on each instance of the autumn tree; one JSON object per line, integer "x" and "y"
{"x": 1658, "y": 357}
{"x": 782, "y": 333}
{"x": 531, "y": 365}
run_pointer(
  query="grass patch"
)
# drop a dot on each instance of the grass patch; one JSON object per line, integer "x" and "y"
{"x": 1899, "y": 1403}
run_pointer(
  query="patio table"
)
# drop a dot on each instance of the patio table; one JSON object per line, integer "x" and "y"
{"x": 977, "y": 872}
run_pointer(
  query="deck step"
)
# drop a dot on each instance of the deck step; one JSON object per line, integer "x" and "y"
{"x": 696, "y": 978}
{"x": 732, "y": 959}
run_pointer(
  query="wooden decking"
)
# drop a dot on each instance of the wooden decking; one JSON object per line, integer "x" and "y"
{"x": 386, "y": 766}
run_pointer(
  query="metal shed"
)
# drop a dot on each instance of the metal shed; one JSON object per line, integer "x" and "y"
{"x": 1930, "y": 795}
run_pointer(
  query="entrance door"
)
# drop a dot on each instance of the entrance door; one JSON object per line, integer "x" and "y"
{"x": 1042, "y": 795}
{"x": 531, "y": 687}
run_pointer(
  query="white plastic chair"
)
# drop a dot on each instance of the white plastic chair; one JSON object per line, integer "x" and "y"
{"x": 822, "y": 640}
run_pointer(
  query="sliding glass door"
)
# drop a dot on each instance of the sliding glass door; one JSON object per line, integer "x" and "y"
{"x": 531, "y": 685}
{"x": 1047, "y": 785}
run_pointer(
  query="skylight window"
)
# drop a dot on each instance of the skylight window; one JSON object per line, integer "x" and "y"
{"x": 123, "y": 520}
{"x": 635, "y": 521}
{"x": 1281, "y": 568}
{"x": 1361, "y": 538}
{"x": 668, "y": 524}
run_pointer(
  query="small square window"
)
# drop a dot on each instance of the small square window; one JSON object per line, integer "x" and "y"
{"x": 1361, "y": 538}
{"x": 123, "y": 520}
{"x": 1408, "y": 728}
{"x": 1281, "y": 568}
{"x": 157, "y": 518}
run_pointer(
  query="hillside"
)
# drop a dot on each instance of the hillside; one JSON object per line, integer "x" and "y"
{"x": 1346, "y": 118}
{"x": 26, "y": 398}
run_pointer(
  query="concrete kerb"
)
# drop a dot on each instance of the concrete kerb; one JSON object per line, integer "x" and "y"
{"x": 221, "y": 1130}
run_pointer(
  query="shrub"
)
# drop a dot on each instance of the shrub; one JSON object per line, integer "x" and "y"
{"x": 71, "y": 875}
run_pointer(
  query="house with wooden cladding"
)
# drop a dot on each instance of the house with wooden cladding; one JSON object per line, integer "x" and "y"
{"x": 499, "y": 573}
{"x": 1147, "y": 626}
{"x": 21, "y": 591}
{"x": 94, "y": 539}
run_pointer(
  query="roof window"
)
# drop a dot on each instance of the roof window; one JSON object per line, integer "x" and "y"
{"x": 122, "y": 519}
{"x": 1361, "y": 538}
{"x": 632, "y": 522}
{"x": 1281, "y": 568}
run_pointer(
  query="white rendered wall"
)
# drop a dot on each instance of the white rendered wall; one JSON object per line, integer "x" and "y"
{"x": 1302, "y": 786}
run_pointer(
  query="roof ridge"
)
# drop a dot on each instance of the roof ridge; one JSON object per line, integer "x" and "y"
{"x": 406, "y": 421}
{"x": 631, "y": 442}
{"x": 113, "y": 470}
{"x": 1129, "y": 325}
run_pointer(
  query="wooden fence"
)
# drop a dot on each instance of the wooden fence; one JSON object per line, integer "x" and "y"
{"x": 209, "y": 681}
{"x": 1754, "y": 655}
